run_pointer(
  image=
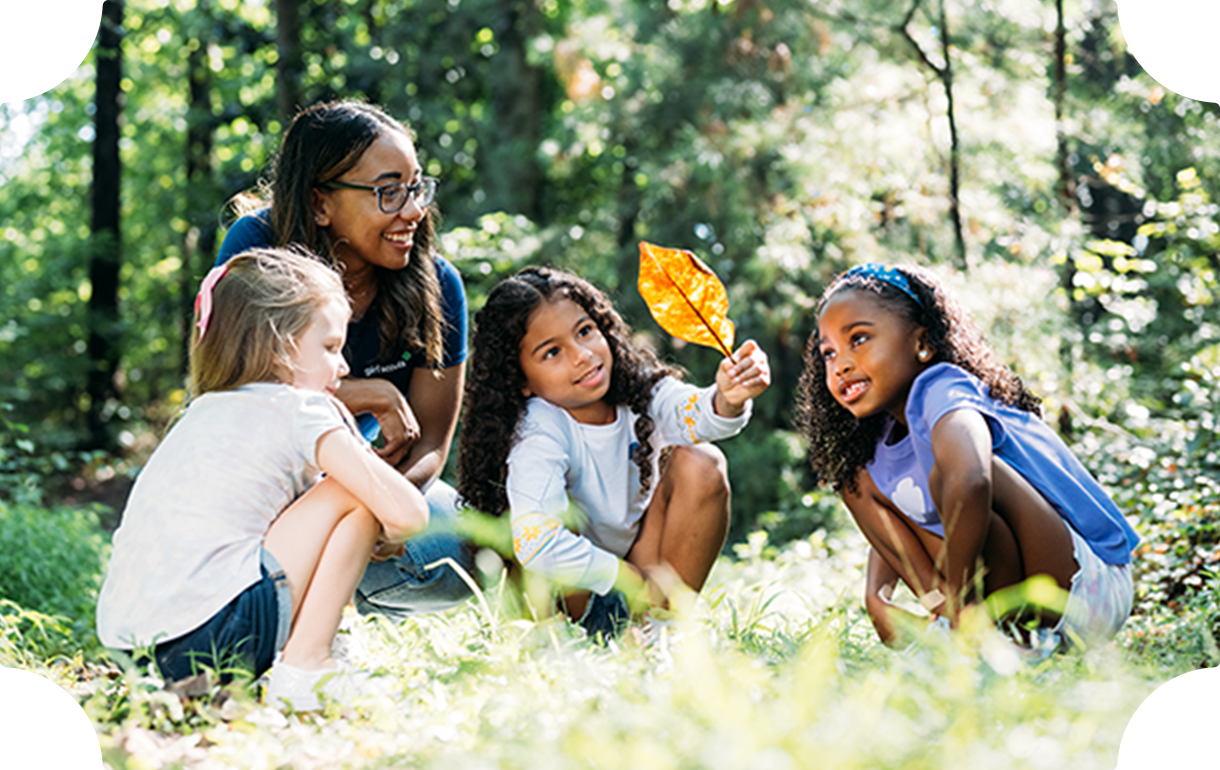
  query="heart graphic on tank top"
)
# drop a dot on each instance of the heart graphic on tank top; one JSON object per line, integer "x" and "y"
{"x": 909, "y": 498}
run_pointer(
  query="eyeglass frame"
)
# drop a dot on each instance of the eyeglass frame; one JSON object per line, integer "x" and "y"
{"x": 411, "y": 189}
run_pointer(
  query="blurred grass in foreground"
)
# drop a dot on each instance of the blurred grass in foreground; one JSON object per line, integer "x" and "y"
{"x": 774, "y": 666}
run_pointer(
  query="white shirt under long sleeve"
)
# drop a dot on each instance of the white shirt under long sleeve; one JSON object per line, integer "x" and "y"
{"x": 560, "y": 470}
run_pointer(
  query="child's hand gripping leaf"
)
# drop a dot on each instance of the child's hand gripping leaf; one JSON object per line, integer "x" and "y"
{"x": 685, "y": 297}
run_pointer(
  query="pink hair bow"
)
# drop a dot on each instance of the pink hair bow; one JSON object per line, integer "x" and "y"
{"x": 203, "y": 301}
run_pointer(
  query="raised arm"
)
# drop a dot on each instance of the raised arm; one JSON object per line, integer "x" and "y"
{"x": 740, "y": 377}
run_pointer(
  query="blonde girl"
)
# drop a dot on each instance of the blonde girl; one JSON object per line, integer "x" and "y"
{"x": 231, "y": 549}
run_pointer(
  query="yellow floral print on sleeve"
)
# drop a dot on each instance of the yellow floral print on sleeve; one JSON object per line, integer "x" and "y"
{"x": 531, "y": 533}
{"x": 687, "y": 413}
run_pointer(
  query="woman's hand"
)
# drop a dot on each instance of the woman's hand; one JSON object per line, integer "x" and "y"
{"x": 385, "y": 550}
{"x": 399, "y": 426}
{"x": 740, "y": 377}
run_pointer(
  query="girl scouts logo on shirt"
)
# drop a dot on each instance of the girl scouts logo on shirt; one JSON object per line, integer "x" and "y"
{"x": 688, "y": 412}
{"x": 373, "y": 370}
{"x": 909, "y": 498}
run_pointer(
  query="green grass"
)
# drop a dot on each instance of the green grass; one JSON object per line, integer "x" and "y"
{"x": 776, "y": 667}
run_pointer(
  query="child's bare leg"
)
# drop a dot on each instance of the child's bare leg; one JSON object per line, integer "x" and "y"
{"x": 1042, "y": 537}
{"x": 1001, "y": 569}
{"x": 1023, "y": 536}
{"x": 688, "y": 519}
{"x": 323, "y": 542}
{"x": 575, "y": 604}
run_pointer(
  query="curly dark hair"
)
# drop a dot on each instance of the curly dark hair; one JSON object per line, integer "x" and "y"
{"x": 839, "y": 444}
{"x": 494, "y": 401}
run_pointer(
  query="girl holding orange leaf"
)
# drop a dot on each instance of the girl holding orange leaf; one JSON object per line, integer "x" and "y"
{"x": 564, "y": 411}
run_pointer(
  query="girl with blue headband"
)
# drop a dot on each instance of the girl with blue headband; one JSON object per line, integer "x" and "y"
{"x": 940, "y": 453}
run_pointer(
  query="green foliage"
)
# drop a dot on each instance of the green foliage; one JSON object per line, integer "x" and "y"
{"x": 53, "y": 560}
{"x": 1165, "y": 477}
{"x": 29, "y": 637}
{"x": 27, "y": 465}
{"x": 782, "y": 141}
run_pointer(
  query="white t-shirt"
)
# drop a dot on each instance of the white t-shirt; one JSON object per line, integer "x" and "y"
{"x": 195, "y": 521}
{"x": 557, "y": 464}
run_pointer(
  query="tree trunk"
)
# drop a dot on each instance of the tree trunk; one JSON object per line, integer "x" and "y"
{"x": 512, "y": 176}
{"x": 105, "y": 241}
{"x": 1066, "y": 188}
{"x": 955, "y": 209}
{"x": 289, "y": 63}
{"x": 945, "y": 74}
{"x": 199, "y": 246}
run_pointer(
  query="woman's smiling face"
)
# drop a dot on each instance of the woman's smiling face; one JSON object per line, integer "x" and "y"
{"x": 363, "y": 235}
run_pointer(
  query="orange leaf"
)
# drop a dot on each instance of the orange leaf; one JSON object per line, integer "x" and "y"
{"x": 685, "y": 297}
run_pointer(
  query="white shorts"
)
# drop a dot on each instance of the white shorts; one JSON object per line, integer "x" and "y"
{"x": 1100, "y": 598}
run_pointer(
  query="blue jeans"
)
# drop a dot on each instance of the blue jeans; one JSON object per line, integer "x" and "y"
{"x": 401, "y": 587}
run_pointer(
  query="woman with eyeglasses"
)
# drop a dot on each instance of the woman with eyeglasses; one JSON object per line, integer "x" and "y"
{"x": 348, "y": 185}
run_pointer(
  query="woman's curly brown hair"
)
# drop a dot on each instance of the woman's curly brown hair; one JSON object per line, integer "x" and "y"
{"x": 839, "y": 444}
{"x": 494, "y": 402}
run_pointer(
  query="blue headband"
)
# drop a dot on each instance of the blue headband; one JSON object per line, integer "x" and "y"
{"x": 885, "y": 274}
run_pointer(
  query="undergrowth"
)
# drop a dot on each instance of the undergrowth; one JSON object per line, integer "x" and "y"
{"x": 774, "y": 666}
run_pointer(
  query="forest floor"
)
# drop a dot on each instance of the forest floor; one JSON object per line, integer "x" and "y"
{"x": 774, "y": 665}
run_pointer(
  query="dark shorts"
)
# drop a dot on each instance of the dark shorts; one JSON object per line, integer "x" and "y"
{"x": 605, "y": 616}
{"x": 244, "y": 635}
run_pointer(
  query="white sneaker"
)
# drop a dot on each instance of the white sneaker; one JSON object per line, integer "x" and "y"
{"x": 298, "y": 689}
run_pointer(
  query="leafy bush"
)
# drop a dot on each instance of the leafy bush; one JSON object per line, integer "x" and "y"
{"x": 28, "y": 637}
{"x": 770, "y": 475}
{"x": 53, "y": 559}
{"x": 1163, "y": 471}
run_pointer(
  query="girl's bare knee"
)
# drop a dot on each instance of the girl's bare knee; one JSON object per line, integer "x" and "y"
{"x": 700, "y": 466}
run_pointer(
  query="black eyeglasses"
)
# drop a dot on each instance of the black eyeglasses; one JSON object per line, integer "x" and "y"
{"x": 393, "y": 196}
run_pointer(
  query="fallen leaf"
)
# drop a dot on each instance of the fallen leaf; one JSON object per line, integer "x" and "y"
{"x": 685, "y": 297}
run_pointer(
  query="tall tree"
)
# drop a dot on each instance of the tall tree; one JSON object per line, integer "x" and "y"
{"x": 944, "y": 73}
{"x": 288, "y": 64}
{"x": 199, "y": 245}
{"x": 106, "y": 244}
{"x": 512, "y": 172}
{"x": 1066, "y": 188}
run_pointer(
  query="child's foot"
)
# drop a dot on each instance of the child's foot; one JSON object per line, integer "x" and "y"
{"x": 298, "y": 689}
